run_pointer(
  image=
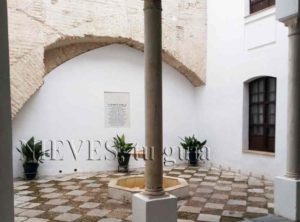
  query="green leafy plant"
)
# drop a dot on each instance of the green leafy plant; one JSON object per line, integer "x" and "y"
{"x": 121, "y": 145}
{"x": 33, "y": 152}
{"x": 192, "y": 143}
{"x": 123, "y": 150}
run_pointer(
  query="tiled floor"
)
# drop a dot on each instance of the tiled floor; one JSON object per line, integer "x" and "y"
{"x": 215, "y": 195}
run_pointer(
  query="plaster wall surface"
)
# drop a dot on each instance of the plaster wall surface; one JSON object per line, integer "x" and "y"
{"x": 237, "y": 54}
{"x": 70, "y": 106}
{"x": 240, "y": 47}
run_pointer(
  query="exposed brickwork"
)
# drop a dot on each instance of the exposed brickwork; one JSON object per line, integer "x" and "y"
{"x": 56, "y": 56}
{"x": 44, "y": 34}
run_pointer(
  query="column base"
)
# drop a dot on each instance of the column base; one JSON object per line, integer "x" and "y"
{"x": 287, "y": 198}
{"x": 153, "y": 209}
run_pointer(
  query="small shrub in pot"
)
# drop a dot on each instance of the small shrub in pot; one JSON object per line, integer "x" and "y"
{"x": 193, "y": 146}
{"x": 33, "y": 154}
{"x": 123, "y": 150}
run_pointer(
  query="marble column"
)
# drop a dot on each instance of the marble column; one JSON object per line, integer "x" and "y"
{"x": 6, "y": 184}
{"x": 293, "y": 147}
{"x": 153, "y": 97}
{"x": 153, "y": 204}
{"x": 287, "y": 188}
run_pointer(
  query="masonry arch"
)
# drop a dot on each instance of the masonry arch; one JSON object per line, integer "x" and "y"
{"x": 71, "y": 104}
{"x": 64, "y": 49}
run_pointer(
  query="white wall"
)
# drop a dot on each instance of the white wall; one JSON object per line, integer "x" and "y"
{"x": 70, "y": 106}
{"x": 239, "y": 49}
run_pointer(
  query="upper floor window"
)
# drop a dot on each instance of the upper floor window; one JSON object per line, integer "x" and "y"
{"x": 257, "y": 5}
{"x": 262, "y": 114}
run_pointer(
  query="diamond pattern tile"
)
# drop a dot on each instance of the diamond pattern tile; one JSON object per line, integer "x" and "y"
{"x": 215, "y": 195}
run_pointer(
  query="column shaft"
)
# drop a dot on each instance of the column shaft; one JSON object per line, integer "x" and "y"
{"x": 153, "y": 96}
{"x": 293, "y": 151}
{"x": 6, "y": 184}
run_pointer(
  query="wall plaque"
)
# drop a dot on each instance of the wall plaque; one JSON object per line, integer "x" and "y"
{"x": 117, "y": 109}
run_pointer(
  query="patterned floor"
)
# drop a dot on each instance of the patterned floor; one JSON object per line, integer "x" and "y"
{"x": 215, "y": 195}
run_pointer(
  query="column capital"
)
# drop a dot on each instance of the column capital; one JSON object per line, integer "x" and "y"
{"x": 294, "y": 26}
{"x": 293, "y": 22}
{"x": 288, "y": 12}
{"x": 152, "y": 4}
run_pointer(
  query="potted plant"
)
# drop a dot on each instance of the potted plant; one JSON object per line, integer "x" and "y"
{"x": 193, "y": 146}
{"x": 123, "y": 150}
{"x": 32, "y": 155}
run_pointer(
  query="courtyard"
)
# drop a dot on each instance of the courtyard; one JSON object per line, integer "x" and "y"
{"x": 210, "y": 87}
{"x": 214, "y": 195}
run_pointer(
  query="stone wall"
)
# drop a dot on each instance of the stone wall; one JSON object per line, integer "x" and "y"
{"x": 45, "y": 33}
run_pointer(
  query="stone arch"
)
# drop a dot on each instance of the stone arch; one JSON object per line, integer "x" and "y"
{"x": 55, "y": 27}
{"x": 41, "y": 60}
{"x": 64, "y": 49}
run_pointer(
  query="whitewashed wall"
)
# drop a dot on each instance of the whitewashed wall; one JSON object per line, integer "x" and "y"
{"x": 241, "y": 48}
{"x": 70, "y": 106}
